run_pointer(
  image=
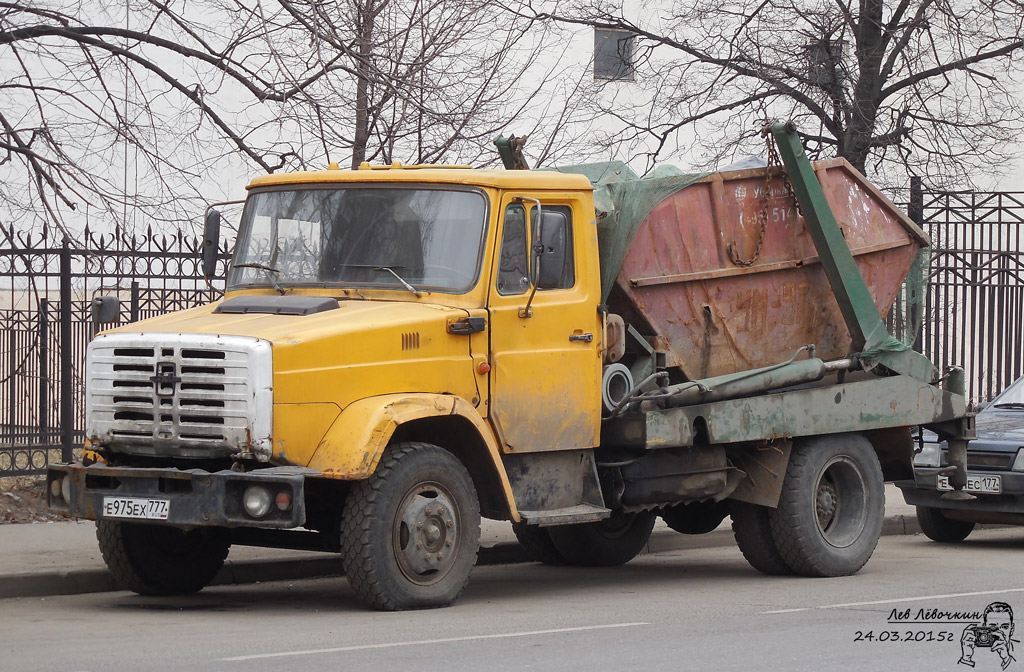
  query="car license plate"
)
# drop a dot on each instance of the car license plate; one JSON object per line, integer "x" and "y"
{"x": 985, "y": 484}
{"x": 136, "y": 507}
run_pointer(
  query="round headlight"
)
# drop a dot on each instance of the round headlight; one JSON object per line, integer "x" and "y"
{"x": 55, "y": 488}
{"x": 65, "y": 488}
{"x": 257, "y": 500}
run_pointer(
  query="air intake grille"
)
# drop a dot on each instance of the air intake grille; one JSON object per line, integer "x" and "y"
{"x": 187, "y": 394}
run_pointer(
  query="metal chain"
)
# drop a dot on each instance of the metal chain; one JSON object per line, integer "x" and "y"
{"x": 762, "y": 212}
{"x": 774, "y": 151}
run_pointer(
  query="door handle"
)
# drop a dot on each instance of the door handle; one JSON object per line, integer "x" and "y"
{"x": 585, "y": 338}
{"x": 467, "y": 325}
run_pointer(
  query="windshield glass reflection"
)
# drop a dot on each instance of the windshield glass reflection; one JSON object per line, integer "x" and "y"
{"x": 363, "y": 236}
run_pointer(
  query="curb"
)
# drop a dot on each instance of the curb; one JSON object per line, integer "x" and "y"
{"x": 900, "y": 524}
{"x": 75, "y": 582}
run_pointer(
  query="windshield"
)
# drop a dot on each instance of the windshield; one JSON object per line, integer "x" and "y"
{"x": 363, "y": 236}
{"x": 1011, "y": 397}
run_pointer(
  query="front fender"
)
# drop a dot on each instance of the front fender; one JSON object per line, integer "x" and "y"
{"x": 355, "y": 442}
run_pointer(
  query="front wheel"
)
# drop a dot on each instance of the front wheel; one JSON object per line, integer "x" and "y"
{"x": 939, "y": 528}
{"x": 830, "y": 514}
{"x": 410, "y": 533}
{"x": 613, "y": 541}
{"x": 161, "y": 560}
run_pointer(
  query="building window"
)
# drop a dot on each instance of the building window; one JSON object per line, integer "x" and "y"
{"x": 614, "y": 52}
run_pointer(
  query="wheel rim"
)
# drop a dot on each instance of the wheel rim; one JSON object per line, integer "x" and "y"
{"x": 840, "y": 501}
{"x": 426, "y": 535}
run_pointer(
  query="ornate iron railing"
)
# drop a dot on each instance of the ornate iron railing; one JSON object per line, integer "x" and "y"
{"x": 46, "y": 291}
{"x": 974, "y": 310}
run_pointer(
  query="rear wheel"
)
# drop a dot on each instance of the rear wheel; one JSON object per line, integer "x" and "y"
{"x": 161, "y": 560}
{"x": 830, "y": 514}
{"x": 536, "y": 541}
{"x": 695, "y": 517}
{"x": 753, "y": 532}
{"x": 410, "y": 533}
{"x": 613, "y": 541}
{"x": 939, "y": 528}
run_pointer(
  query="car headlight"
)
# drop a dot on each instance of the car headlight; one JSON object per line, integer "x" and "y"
{"x": 1018, "y": 462}
{"x": 930, "y": 455}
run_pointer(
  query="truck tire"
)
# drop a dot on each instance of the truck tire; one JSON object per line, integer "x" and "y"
{"x": 695, "y": 517}
{"x": 410, "y": 533}
{"x": 753, "y": 532}
{"x": 939, "y": 528}
{"x": 830, "y": 514}
{"x": 159, "y": 559}
{"x": 613, "y": 541}
{"x": 536, "y": 541}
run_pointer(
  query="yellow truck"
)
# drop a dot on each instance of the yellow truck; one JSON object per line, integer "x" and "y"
{"x": 404, "y": 349}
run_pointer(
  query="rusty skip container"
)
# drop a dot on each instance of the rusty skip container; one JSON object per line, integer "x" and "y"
{"x": 667, "y": 267}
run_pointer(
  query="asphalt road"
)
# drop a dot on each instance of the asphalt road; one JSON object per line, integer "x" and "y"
{"x": 702, "y": 609}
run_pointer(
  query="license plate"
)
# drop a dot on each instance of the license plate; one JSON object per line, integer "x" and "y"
{"x": 136, "y": 507}
{"x": 985, "y": 484}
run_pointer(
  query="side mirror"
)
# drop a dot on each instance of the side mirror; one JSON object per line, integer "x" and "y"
{"x": 211, "y": 237}
{"x": 105, "y": 309}
{"x": 551, "y": 248}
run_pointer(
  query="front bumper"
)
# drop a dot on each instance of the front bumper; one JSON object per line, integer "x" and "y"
{"x": 196, "y": 498}
{"x": 923, "y": 491}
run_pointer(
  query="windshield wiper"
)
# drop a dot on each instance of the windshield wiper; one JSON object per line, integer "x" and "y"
{"x": 1010, "y": 404}
{"x": 415, "y": 292}
{"x": 389, "y": 269}
{"x": 271, "y": 273}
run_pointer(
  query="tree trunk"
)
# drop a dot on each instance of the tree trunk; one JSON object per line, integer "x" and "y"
{"x": 855, "y": 145}
{"x": 364, "y": 41}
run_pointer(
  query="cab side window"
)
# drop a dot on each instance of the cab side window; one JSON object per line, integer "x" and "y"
{"x": 568, "y": 279}
{"x": 513, "y": 265}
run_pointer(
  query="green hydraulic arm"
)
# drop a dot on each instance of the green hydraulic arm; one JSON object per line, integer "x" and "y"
{"x": 872, "y": 342}
{"x": 510, "y": 150}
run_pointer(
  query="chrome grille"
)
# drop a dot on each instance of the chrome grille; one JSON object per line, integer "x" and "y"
{"x": 190, "y": 393}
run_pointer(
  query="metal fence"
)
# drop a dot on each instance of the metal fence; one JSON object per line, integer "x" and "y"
{"x": 974, "y": 308}
{"x": 974, "y": 304}
{"x": 46, "y": 292}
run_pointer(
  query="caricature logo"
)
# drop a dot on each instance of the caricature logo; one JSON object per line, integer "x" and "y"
{"x": 995, "y": 633}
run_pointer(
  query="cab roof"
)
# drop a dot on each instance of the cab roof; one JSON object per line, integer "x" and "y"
{"x": 457, "y": 175}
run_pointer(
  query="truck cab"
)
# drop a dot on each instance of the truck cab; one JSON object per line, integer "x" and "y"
{"x": 364, "y": 311}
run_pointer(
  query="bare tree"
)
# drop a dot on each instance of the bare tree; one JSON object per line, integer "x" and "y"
{"x": 89, "y": 96}
{"x": 433, "y": 79}
{"x": 137, "y": 108}
{"x": 927, "y": 87}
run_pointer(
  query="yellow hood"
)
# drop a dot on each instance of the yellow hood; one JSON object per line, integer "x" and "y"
{"x": 350, "y": 316}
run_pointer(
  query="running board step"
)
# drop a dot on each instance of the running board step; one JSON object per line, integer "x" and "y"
{"x": 582, "y": 513}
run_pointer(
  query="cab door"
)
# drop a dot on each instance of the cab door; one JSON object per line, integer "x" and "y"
{"x": 546, "y": 368}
